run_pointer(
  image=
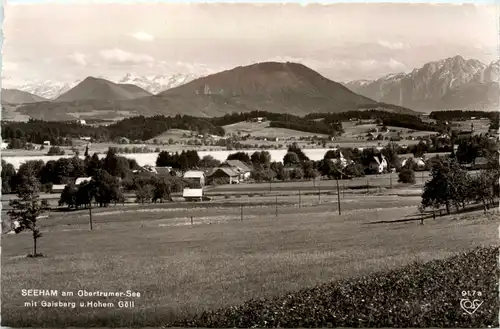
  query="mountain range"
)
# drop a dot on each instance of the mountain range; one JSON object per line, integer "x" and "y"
{"x": 451, "y": 83}
{"x": 270, "y": 86}
{"x": 50, "y": 89}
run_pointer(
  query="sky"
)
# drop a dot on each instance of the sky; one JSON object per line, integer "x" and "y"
{"x": 67, "y": 42}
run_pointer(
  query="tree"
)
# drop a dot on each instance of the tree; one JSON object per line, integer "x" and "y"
{"x": 294, "y": 148}
{"x": 391, "y": 154}
{"x": 68, "y": 196}
{"x": 242, "y": 156}
{"x": 27, "y": 208}
{"x": 209, "y": 161}
{"x": 8, "y": 177}
{"x": 420, "y": 149}
{"x": 56, "y": 150}
{"x": 481, "y": 188}
{"x": 467, "y": 152}
{"x": 162, "y": 189}
{"x": 447, "y": 186}
{"x": 354, "y": 170}
{"x": 290, "y": 159}
{"x": 309, "y": 171}
{"x": 144, "y": 193}
{"x": 407, "y": 176}
{"x": 261, "y": 158}
{"x": 165, "y": 159}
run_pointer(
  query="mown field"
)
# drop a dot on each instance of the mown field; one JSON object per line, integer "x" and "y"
{"x": 182, "y": 270}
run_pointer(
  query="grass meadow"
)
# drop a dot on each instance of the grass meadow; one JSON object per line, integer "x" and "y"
{"x": 182, "y": 270}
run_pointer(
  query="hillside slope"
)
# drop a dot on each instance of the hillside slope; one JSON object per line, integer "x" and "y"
{"x": 14, "y": 96}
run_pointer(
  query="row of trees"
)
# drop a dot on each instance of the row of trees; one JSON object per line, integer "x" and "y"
{"x": 65, "y": 170}
{"x": 451, "y": 185}
{"x": 388, "y": 118}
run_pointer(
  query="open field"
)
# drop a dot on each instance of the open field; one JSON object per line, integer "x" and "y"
{"x": 352, "y": 131}
{"x": 480, "y": 126}
{"x": 263, "y": 129}
{"x": 181, "y": 270}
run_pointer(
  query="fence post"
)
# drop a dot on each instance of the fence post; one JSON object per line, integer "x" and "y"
{"x": 367, "y": 186}
{"x": 191, "y": 220}
{"x": 241, "y": 212}
{"x": 319, "y": 195}
{"x": 276, "y": 205}
{"x": 299, "y": 200}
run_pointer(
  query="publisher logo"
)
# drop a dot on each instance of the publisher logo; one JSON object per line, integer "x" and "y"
{"x": 470, "y": 306}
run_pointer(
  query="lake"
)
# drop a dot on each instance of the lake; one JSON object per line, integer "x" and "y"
{"x": 150, "y": 158}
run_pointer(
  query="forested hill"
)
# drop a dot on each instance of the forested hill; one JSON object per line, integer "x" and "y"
{"x": 145, "y": 128}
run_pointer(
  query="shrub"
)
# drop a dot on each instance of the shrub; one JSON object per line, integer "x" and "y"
{"x": 355, "y": 170}
{"x": 407, "y": 176}
{"x": 56, "y": 150}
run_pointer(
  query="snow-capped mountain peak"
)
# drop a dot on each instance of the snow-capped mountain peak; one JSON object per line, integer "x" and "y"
{"x": 51, "y": 89}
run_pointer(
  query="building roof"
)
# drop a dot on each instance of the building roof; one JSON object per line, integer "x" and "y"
{"x": 192, "y": 192}
{"x": 194, "y": 174}
{"x": 163, "y": 170}
{"x": 237, "y": 164}
{"x": 58, "y": 187}
{"x": 81, "y": 180}
{"x": 228, "y": 171}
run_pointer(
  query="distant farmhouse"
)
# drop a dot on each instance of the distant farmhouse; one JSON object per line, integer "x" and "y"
{"x": 224, "y": 175}
{"x": 238, "y": 166}
{"x": 196, "y": 176}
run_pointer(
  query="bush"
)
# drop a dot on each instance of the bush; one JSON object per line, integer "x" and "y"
{"x": 407, "y": 176}
{"x": 55, "y": 150}
{"x": 355, "y": 170}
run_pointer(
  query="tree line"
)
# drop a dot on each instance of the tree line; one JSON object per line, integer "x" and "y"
{"x": 451, "y": 185}
{"x": 145, "y": 128}
{"x": 388, "y": 118}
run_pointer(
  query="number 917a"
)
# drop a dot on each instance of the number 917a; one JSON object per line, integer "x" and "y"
{"x": 471, "y": 293}
{"x": 126, "y": 304}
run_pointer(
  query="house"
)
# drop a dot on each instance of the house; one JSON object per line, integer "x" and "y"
{"x": 239, "y": 167}
{"x": 192, "y": 194}
{"x": 340, "y": 160}
{"x": 196, "y": 176}
{"x": 86, "y": 138}
{"x": 163, "y": 170}
{"x": 378, "y": 164}
{"x": 81, "y": 180}
{"x": 224, "y": 175}
{"x": 58, "y": 188}
{"x": 81, "y": 122}
{"x": 420, "y": 163}
{"x": 46, "y": 143}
